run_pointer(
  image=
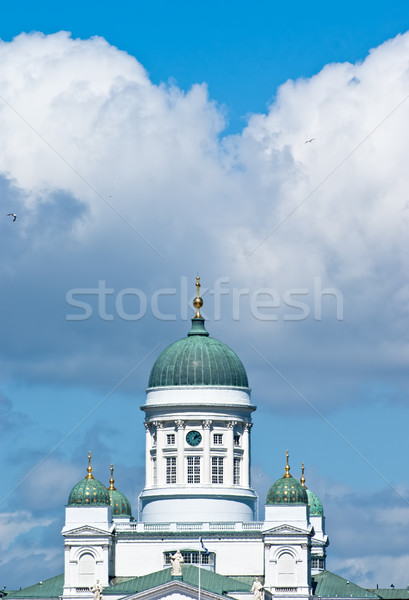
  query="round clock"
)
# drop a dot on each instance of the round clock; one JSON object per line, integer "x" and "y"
{"x": 193, "y": 438}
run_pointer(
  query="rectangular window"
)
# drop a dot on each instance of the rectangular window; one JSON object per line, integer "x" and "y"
{"x": 236, "y": 439}
{"x": 217, "y": 469}
{"x": 170, "y": 439}
{"x": 217, "y": 439}
{"x": 193, "y": 469}
{"x": 154, "y": 472}
{"x": 192, "y": 558}
{"x": 317, "y": 563}
{"x": 171, "y": 469}
{"x": 236, "y": 472}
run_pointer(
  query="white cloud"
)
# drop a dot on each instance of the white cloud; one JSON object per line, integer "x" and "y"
{"x": 157, "y": 155}
{"x": 382, "y": 570}
{"x": 154, "y": 153}
{"x": 14, "y": 524}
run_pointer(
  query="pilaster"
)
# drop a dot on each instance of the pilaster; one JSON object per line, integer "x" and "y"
{"x": 228, "y": 475}
{"x": 246, "y": 454}
{"x": 180, "y": 449}
{"x": 148, "y": 458}
{"x": 206, "y": 425}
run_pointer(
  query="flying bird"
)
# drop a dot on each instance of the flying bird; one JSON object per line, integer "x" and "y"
{"x": 309, "y": 141}
{"x": 13, "y": 215}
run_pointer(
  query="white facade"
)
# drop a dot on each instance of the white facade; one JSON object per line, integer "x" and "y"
{"x": 197, "y": 484}
{"x": 88, "y": 548}
{"x": 198, "y": 455}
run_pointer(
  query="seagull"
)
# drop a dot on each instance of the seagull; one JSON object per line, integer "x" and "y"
{"x": 13, "y": 215}
{"x": 309, "y": 141}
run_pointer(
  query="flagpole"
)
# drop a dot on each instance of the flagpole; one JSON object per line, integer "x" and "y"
{"x": 200, "y": 563}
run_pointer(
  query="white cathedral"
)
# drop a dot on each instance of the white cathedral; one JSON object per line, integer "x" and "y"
{"x": 197, "y": 533}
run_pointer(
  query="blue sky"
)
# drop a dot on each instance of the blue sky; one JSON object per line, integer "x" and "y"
{"x": 175, "y": 143}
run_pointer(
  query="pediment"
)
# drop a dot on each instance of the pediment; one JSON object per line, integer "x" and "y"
{"x": 85, "y": 530}
{"x": 287, "y": 530}
{"x": 174, "y": 590}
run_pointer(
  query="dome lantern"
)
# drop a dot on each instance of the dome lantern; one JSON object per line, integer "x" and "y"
{"x": 198, "y": 302}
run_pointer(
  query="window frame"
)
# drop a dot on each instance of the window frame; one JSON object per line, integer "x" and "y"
{"x": 171, "y": 472}
{"x": 193, "y": 469}
{"x": 236, "y": 470}
{"x": 217, "y": 469}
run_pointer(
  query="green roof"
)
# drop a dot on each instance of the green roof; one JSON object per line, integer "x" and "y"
{"x": 329, "y": 585}
{"x": 89, "y": 491}
{"x": 120, "y": 504}
{"x": 198, "y": 359}
{"x": 316, "y": 508}
{"x": 50, "y": 588}
{"x": 212, "y": 582}
{"x": 287, "y": 490}
{"x": 391, "y": 593}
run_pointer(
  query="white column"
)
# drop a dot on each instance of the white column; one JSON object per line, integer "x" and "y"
{"x": 206, "y": 470}
{"x": 148, "y": 458}
{"x": 68, "y": 579}
{"x": 104, "y": 574}
{"x": 160, "y": 459}
{"x": 180, "y": 449}
{"x": 229, "y": 466}
{"x": 246, "y": 455}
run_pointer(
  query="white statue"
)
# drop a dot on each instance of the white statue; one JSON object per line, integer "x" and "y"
{"x": 257, "y": 589}
{"x": 97, "y": 590}
{"x": 176, "y": 560}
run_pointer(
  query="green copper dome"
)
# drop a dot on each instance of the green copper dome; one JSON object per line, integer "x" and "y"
{"x": 287, "y": 490}
{"x": 314, "y": 503}
{"x": 89, "y": 491}
{"x": 198, "y": 359}
{"x": 316, "y": 508}
{"x": 119, "y": 502}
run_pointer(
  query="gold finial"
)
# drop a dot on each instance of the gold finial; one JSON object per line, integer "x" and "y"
{"x": 89, "y": 469}
{"x": 287, "y": 468}
{"x": 111, "y": 481}
{"x": 302, "y": 476}
{"x": 198, "y": 302}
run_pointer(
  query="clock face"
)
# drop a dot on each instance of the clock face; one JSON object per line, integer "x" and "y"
{"x": 193, "y": 438}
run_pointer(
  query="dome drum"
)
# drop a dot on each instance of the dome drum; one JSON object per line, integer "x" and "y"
{"x": 195, "y": 398}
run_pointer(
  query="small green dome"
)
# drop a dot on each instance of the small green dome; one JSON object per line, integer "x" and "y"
{"x": 314, "y": 503}
{"x": 198, "y": 359}
{"x": 316, "y": 508}
{"x": 88, "y": 491}
{"x": 287, "y": 490}
{"x": 120, "y": 504}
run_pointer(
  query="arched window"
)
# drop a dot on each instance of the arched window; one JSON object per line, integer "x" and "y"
{"x": 86, "y": 570}
{"x": 286, "y": 570}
